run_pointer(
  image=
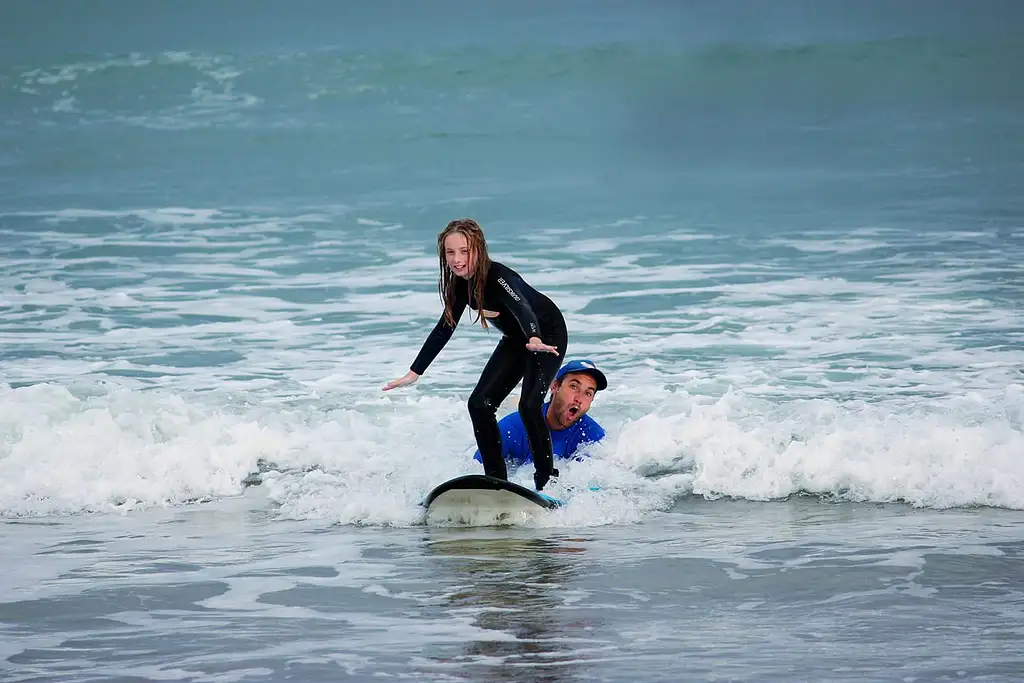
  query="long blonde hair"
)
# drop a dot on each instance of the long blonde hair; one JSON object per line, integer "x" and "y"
{"x": 446, "y": 283}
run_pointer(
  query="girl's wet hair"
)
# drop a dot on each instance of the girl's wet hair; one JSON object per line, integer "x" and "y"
{"x": 470, "y": 229}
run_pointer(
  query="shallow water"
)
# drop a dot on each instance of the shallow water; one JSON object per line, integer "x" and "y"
{"x": 740, "y": 591}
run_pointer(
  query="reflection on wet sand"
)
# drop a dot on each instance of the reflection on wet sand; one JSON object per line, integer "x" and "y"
{"x": 515, "y": 586}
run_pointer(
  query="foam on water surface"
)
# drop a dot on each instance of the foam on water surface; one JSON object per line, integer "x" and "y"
{"x": 108, "y": 448}
{"x": 731, "y": 375}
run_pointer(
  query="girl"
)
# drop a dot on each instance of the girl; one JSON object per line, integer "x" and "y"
{"x": 526, "y": 318}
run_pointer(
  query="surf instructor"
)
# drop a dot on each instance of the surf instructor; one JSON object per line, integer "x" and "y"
{"x": 572, "y": 392}
{"x": 531, "y": 348}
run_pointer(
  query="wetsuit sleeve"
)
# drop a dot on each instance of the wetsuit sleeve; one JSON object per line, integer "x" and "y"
{"x": 511, "y": 429}
{"x": 594, "y": 431}
{"x": 512, "y": 291}
{"x": 589, "y": 432}
{"x": 441, "y": 333}
{"x": 515, "y": 446}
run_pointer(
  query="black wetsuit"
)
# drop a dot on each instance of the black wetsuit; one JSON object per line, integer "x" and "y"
{"x": 523, "y": 312}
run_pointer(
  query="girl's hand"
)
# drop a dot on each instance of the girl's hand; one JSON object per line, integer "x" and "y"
{"x": 535, "y": 344}
{"x": 408, "y": 378}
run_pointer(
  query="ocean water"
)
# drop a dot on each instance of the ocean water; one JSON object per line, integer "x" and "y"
{"x": 790, "y": 233}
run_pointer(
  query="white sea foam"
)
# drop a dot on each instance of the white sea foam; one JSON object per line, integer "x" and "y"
{"x": 372, "y": 460}
{"x": 734, "y": 378}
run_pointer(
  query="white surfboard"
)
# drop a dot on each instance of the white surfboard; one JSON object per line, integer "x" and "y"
{"x": 480, "y": 500}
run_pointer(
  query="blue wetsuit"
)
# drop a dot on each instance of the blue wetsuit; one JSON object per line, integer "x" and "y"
{"x": 515, "y": 445}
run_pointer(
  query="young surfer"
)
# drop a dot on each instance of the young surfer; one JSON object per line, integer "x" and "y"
{"x": 531, "y": 348}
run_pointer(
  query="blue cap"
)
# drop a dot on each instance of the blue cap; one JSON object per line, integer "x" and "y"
{"x": 587, "y": 367}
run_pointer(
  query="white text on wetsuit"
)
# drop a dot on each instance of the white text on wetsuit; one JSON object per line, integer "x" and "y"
{"x": 511, "y": 293}
{"x": 501, "y": 281}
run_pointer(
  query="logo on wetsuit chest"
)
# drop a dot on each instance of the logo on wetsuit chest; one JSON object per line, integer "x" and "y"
{"x": 501, "y": 281}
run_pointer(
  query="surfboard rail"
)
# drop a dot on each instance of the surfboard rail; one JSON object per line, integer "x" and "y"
{"x": 483, "y": 482}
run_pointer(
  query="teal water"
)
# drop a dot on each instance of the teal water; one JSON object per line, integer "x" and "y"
{"x": 791, "y": 236}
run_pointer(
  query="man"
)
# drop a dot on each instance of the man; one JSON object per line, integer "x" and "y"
{"x": 572, "y": 391}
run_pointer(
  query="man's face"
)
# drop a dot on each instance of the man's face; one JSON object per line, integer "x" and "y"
{"x": 570, "y": 399}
